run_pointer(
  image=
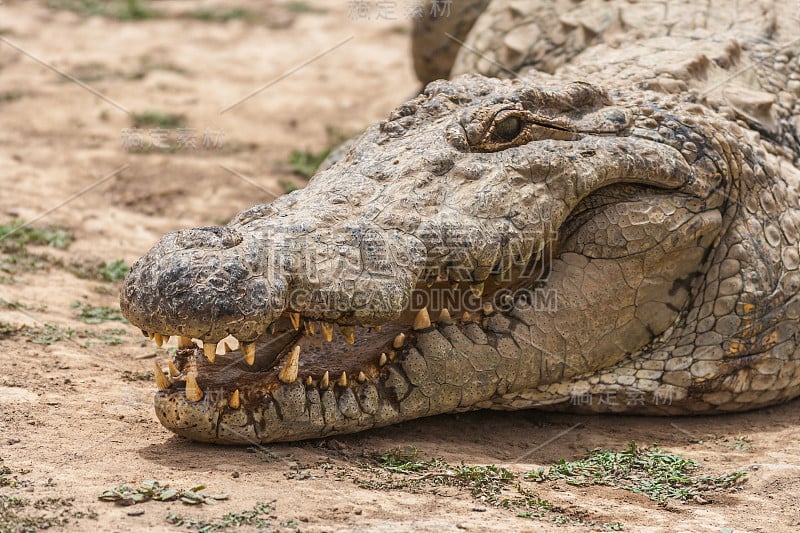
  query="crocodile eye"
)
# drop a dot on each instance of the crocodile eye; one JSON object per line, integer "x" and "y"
{"x": 507, "y": 129}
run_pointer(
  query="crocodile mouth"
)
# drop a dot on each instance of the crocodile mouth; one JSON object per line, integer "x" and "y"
{"x": 303, "y": 354}
{"x": 316, "y": 353}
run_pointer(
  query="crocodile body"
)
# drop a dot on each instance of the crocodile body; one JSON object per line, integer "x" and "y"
{"x": 598, "y": 212}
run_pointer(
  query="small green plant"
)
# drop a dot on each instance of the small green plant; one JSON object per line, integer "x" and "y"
{"x": 219, "y": 15}
{"x": 287, "y": 186}
{"x": 257, "y": 517}
{"x": 158, "y": 119}
{"x": 650, "y": 471}
{"x": 119, "y": 9}
{"x": 15, "y": 304}
{"x": 97, "y": 314}
{"x": 114, "y": 271}
{"x": 16, "y": 235}
{"x": 47, "y": 334}
{"x": 305, "y": 162}
{"x": 154, "y": 490}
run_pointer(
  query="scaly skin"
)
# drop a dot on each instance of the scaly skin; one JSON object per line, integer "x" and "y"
{"x": 614, "y": 231}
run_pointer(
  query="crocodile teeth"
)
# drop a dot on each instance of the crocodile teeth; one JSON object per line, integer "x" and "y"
{"x": 324, "y": 383}
{"x": 272, "y": 329}
{"x": 361, "y": 377}
{"x": 327, "y": 331}
{"x": 377, "y": 329}
{"x": 162, "y": 381}
{"x": 295, "y": 317}
{"x": 444, "y": 317}
{"x": 193, "y": 391}
{"x": 210, "y": 351}
{"x": 343, "y": 380}
{"x": 159, "y": 339}
{"x": 249, "y": 351}
{"x": 477, "y": 289}
{"x": 309, "y": 381}
{"x": 349, "y": 334}
{"x": 423, "y": 319}
{"x": 185, "y": 342}
{"x": 151, "y": 336}
{"x": 288, "y": 373}
{"x": 234, "y": 402}
{"x": 309, "y": 327}
{"x": 173, "y": 370}
{"x": 399, "y": 341}
{"x": 383, "y": 360}
{"x": 226, "y": 347}
{"x": 466, "y": 317}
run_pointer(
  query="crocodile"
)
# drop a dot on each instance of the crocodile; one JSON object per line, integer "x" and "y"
{"x": 591, "y": 207}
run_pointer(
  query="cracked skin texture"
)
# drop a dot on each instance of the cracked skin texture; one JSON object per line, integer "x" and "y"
{"x": 616, "y": 229}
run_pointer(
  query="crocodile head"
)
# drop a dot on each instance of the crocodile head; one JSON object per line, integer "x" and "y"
{"x": 490, "y": 237}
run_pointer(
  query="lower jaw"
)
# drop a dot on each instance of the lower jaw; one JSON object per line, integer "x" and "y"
{"x": 292, "y": 412}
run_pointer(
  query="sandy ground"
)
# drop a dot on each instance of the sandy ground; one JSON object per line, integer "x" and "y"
{"x": 74, "y": 418}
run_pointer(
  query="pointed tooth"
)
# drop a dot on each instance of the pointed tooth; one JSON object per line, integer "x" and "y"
{"x": 444, "y": 317}
{"x": 234, "y": 402}
{"x": 295, "y": 317}
{"x": 185, "y": 342}
{"x": 399, "y": 341}
{"x": 309, "y": 381}
{"x": 162, "y": 381}
{"x": 383, "y": 360}
{"x": 226, "y": 347}
{"x": 249, "y": 352}
{"x": 349, "y": 334}
{"x": 324, "y": 383}
{"x": 477, "y": 289}
{"x": 309, "y": 327}
{"x": 288, "y": 373}
{"x": 343, "y": 380}
{"x": 422, "y": 320}
{"x": 377, "y": 329}
{"x": 159, "y": 339}
{"x": 193, "y": 391}
{"x": 173, "y": 370}
{"x": 272, "y": 329}
{"x": 151, "y": 336}
{"x": 361, "y": 377}
{"x": 210, "y": 351}
{"x": 327, "y": 331}
{"x": 466, "y": 317}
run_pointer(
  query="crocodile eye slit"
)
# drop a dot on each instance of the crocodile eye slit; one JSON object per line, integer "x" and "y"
{"x": 507, "y": 129}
